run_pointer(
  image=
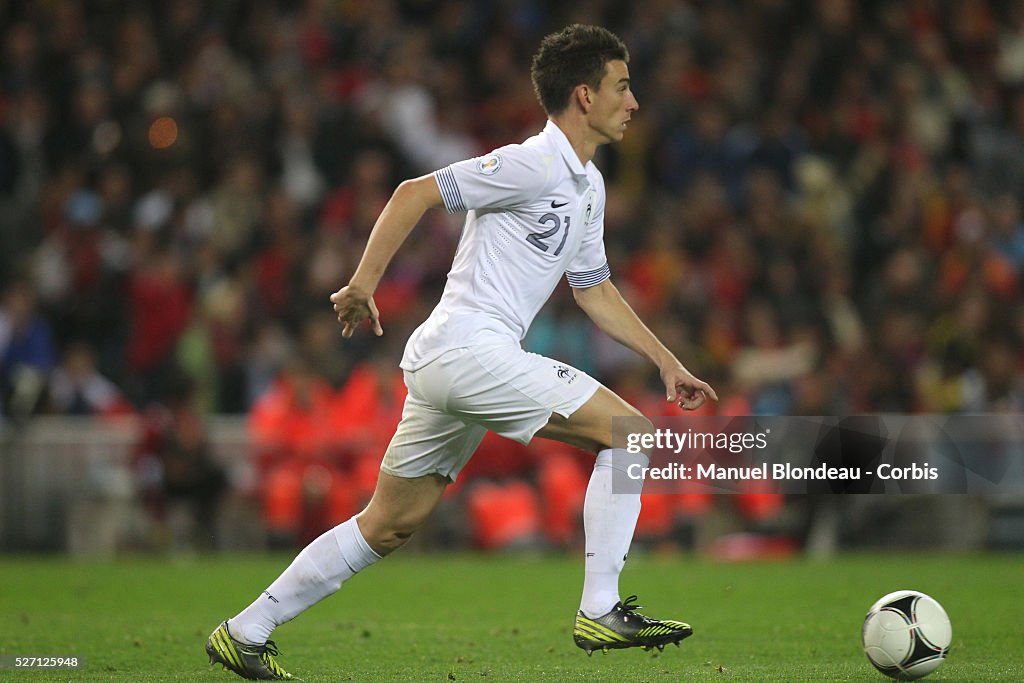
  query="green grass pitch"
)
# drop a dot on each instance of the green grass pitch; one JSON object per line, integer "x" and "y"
{"x": 433, "y": 617}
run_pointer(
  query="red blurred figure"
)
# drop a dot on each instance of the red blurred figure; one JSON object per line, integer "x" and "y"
{"x": 363, "y": 415}
{"x": 319, "y": 449}
{"x": 160, "y": 309}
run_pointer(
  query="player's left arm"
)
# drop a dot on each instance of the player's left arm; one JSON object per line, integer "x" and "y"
{"x": 605, "y": 305}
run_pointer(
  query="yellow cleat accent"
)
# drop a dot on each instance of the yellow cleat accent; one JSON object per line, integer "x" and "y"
{"x": 623, "y": 627}
{"x": 254, "y": 662}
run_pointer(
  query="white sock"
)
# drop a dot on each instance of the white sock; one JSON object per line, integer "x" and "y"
{"x": 610, "y": 511}
{"x": 316, "y": 572}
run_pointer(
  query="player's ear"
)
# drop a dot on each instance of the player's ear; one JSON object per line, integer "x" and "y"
{"x": 583, "y": 96}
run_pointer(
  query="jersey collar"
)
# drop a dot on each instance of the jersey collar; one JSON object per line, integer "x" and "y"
{"x": 563, "y": 146}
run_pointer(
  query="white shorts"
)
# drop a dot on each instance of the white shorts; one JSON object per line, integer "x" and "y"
{"x": 455, "y": 399}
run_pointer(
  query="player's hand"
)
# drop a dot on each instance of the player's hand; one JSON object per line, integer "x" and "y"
{"x": 353, "y": 306}
{"x": 685, "y": 390}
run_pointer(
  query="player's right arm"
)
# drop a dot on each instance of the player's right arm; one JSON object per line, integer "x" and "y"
{"x": 354, "y": 302}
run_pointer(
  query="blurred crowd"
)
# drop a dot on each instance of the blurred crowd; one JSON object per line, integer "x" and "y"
{"x": 817, "y": 206}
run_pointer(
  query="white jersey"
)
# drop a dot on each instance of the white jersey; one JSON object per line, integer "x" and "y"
{"x": 535, "y": 213}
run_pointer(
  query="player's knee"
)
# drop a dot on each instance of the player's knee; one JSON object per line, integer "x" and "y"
{"x": 393, "y": 539}
{"x": 386, "y": 536}
{"x": 643, "y": 426}
{"x": 631, "y": 431}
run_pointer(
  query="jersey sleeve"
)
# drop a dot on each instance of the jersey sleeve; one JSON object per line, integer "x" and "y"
{"x": 590, "y": 265}
{"x": 507, "y": 177}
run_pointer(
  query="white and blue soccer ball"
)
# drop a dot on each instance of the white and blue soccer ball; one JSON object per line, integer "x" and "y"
{"x": 906, "y": 635}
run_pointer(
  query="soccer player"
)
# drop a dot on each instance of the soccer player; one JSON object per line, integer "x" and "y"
{"x": 535, "y": 213}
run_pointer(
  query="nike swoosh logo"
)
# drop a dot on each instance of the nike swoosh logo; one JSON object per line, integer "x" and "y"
{"x": 557, "y": 206}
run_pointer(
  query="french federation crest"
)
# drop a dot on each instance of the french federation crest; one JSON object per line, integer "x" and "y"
{"x": 564, "y": 373}
{"x": 489, "y": 164}
{"x": 590, "y": 208}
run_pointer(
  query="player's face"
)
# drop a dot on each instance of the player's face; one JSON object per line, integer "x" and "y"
{"x": 613, "y": 102}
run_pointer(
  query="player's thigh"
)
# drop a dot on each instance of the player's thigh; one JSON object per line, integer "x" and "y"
{"x": 429, "y": 440}
{"x": 591, "y": 427}
{"x": 513, "y": 392}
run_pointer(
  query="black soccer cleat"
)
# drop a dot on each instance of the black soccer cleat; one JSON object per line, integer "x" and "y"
{"x": 254, "y": 662}
{"x": 624, "y": 627}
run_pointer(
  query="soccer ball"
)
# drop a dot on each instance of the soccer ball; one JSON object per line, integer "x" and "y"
{"x": 906, "y": 635}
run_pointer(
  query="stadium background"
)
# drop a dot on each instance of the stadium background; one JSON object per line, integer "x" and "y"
{"x": 817, "y": 207}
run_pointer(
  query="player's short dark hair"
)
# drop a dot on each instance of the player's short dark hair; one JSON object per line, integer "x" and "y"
{"x": 576, "y": 54}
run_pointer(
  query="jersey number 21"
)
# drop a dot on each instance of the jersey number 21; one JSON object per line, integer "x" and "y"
{"x": 537, "y": 238}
